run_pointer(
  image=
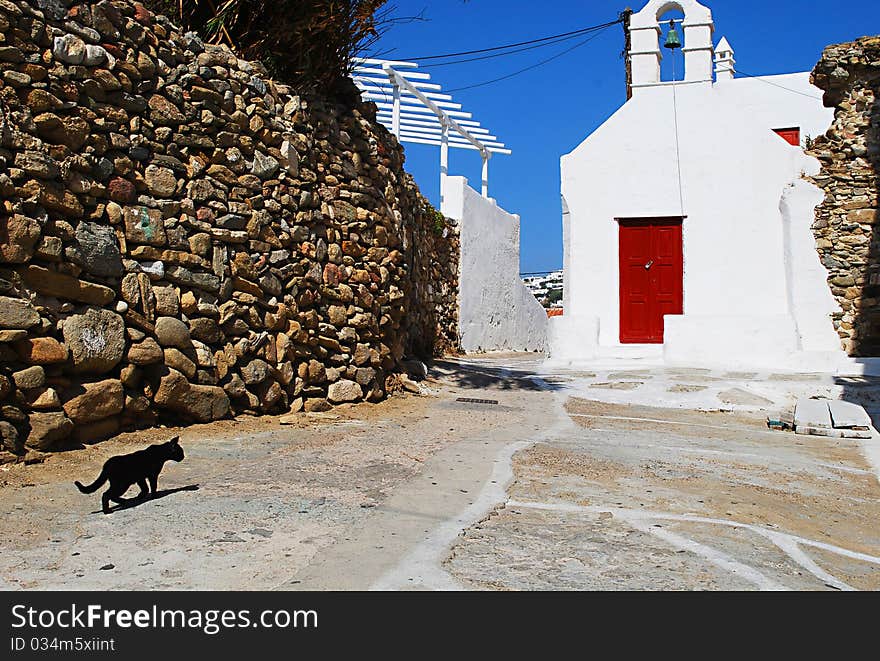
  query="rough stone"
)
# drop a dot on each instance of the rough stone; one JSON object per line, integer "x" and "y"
{"x": 255, "y": 372}
{"x": 167, "y": 301}
{"x": 12, "y": 335}
{"x": 48, "y": 430}
{"x": 161, "y": 182}
{"x": 16, "y": 313}
{"x": 69, "y": 49}
{"x": 235, "y": 388}
{"x": 18, "y": 238}
{"x": 344, "y": 391}
{"x": 147, "y": 352}
{"x": 30, "y": 377}
{"x": 175, "y": 359}
{"x": 97, "y": 250}
{"x": 172, "y": 332}
{"x": 61, "y": 285}
{"x": 205, "y": 329}
{"x": 95, "y": 432}
{"x": 196, "y": 402}
{"x": 165, "y": 113}
{"x": 90, "y": 402}
{"x": 41, "y": 351}
{"x": 143, "y": 225}
{"x": 253, "y": 236}
{"x": 44, "y": 399}
{"x": 96, "y": 340}
{"x": 10, "y": 439}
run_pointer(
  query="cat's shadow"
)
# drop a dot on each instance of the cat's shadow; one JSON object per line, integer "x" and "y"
{"x": 136, "y": 501}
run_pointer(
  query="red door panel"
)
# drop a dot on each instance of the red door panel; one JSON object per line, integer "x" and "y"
{"x": 637, "y": 278}
{"x": 651, "y": 277}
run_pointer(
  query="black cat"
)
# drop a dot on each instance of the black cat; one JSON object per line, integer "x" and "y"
{"x": 135, "y": 468}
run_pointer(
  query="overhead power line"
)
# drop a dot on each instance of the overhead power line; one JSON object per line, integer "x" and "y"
{"x": 534, "y": 66}
{"x": 782, "y": 87}
{"x": 573, "y": 33}
{"x": 481, "y": 58}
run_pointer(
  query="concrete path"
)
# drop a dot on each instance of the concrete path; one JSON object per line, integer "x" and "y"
{"x": 402, "y": 545}
{"x": 570, "y": 481}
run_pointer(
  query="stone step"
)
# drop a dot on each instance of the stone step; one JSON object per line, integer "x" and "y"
{"x": 821, "y": 417}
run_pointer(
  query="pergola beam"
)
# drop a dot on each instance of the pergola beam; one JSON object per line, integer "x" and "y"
{"x": 417, "y": 111}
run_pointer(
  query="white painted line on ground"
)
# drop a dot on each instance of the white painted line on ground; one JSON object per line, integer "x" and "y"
{"x": 424, "y": 563}
{"x": 790, "y": 548}
{"x": 713, "y": 556}
{"x": 785, "y": 541}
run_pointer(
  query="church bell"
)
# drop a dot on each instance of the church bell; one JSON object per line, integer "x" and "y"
{"x": 673, "y": 41}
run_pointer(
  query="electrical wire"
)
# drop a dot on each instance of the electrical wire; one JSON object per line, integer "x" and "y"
{"x": 573, "y": 33}
{"x": 512, "y": 52}
{"x": 534, "y": 66}
{"x": 782, "y": 87}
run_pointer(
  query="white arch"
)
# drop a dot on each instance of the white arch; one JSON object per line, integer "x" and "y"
{"x": 694, "y": 13}
{"x": 645, "y": 51}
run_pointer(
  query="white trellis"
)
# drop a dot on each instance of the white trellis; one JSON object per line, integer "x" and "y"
{"x": 416, "y": 110}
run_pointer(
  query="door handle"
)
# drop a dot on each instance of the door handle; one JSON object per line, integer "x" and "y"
{"x": 649, "y": 265}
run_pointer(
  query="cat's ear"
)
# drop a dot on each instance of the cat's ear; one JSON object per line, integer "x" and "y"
{"x": 174, "y": 441}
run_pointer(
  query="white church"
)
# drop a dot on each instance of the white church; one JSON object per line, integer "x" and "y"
{"x": 686, "y": 217}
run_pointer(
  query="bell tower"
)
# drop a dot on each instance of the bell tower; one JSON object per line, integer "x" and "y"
{"x": 646, "y": 54}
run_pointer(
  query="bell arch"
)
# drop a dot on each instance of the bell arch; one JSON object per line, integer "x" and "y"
{"x": 645, "y": 52}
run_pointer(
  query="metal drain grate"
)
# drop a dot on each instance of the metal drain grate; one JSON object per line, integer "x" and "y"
{"x": 466, "y": 400}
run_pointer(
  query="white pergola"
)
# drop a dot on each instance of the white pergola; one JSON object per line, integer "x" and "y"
{"x": 417, "y": 111}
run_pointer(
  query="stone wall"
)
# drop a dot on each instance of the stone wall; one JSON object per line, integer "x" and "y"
{"x": 184, "y": 239}
{"x": 845, "y": 222}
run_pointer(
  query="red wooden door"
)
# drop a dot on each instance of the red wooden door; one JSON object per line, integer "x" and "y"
{"x": 651, "y": 277}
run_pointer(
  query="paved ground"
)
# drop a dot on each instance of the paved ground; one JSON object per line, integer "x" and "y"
{"x": 571, "y": 481}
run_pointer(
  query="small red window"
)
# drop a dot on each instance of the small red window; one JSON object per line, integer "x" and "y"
{"x": 791, "y": 136}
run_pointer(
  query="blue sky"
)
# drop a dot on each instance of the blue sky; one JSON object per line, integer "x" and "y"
{"x": 546, "y": 112}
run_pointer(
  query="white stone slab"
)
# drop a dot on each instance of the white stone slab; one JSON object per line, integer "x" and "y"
{"x": 813, "y": 414}
{"x": 846, "y": 415}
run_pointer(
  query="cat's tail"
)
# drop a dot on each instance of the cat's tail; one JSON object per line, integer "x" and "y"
{"x": 94, "y": 486}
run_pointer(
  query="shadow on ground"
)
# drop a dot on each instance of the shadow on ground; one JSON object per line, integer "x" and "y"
{"x": 482, "y": 377}
{"x": 129, "y": 503}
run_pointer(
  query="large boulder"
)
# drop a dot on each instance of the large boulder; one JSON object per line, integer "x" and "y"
{"x": 193, "y": 402}
{"x": 96, "y": 340}
{"x": 47, "y": 430}
{"x": 90, "y": 402}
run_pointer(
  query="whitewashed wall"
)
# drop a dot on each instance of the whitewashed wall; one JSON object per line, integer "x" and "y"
{"x": 496, "y": 310}
{"x": 752, "y": 292}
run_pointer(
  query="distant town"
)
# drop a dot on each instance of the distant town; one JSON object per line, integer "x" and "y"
{"x": 547, "y": 288}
